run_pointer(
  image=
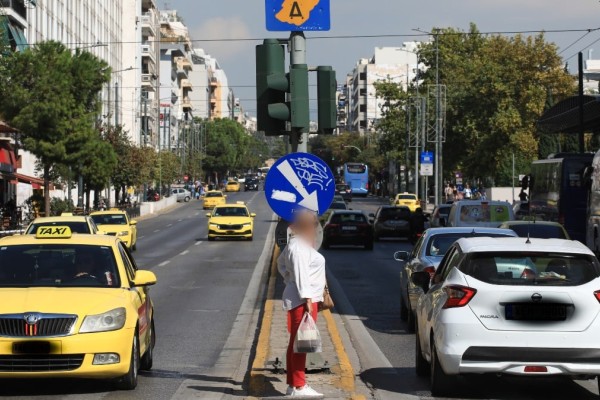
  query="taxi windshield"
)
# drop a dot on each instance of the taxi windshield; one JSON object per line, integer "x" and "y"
{"x": 407, "y": 197}
{"x": 230, "y": 212}
{"x": 58, "y": 265}
{"x": 214, "y": 194}
{"x": 110, "y": 219}
{"x": 76, "y": 227}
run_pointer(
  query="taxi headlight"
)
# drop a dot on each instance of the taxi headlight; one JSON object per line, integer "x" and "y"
{"x": 247, "y": 224}
{"x": 213, "y": 225}
{"x": 123, "y": 233}
{"x": 108, "y": 321}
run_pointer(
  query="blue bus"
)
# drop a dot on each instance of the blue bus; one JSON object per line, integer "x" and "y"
{"x": 558, "y": 192}
{"x": 356, "y": 175}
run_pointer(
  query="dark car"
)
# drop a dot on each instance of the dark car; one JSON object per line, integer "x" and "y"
{"x": 439, "y": 217}
{"x": 537, "y": 229}
{"x": 347, "y": 227}
{"x": 392, "y": 221}
{"x": 251, "y": 184}
{"x": 344, "y": 190}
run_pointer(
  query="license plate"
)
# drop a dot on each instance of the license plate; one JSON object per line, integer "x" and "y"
{"x": 349, "y": 228}
{"x": 31, "y": 348}
{"x": 536, "y": 312}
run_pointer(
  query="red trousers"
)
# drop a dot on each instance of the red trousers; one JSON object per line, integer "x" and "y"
{"x": 296, "y": 362}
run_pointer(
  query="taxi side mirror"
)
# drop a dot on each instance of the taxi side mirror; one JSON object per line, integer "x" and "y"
{"x": 207, "y": 215}
{"x": 421, "y": 279}
{"x": 225, "y": 195}
{"x": 401, "y": 256}
{"x": 253, "y": 215}
{"x": 133, "y": 222}
{"x": 144, "y": 278}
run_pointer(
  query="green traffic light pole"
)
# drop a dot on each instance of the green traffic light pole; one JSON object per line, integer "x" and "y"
{"x": 299, "y": 136}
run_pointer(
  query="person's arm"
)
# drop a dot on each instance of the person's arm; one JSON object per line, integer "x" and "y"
{"x": 301, "y": 262}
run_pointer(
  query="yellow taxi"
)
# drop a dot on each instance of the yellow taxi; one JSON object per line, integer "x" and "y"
{"x": 213, "y": 198}
{"x": 408, "y": 200}
{"x": 77, "y": 224}
{"x": 231, "y": 220}
{"x": 117, "y": 223}
{"x": 232, "y": 186}
{"x": 73, "y": 306}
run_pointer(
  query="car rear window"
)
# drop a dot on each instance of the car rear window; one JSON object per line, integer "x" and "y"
{"x": 110, "y": 219}
{"x": 532, "y": 269}
{"x": 58, "y": 266}
{"x": 214, "y": 195}
{"x": 343, "y": 218}
{"x": 539, "y": 231}
{"x": 484, "y": 213}
{"x": 387, "y": 214}
{"x": 438, "y": 245}
{"x": 444, "y": 211}
{"x": 338, "y": 206}
{"x": 76, "y": 227}
{"x": 406, "y": 197}
{"x": 342, "y": 187}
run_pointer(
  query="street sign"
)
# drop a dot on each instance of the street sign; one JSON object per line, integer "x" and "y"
{"x": 426, "y": 157}
{"x": 299, "y": 181}
{"x": 426, "y": 169}
{"x": 298, "y": 15}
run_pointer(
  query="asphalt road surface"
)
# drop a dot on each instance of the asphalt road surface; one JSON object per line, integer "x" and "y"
{"x": 370, "y": 281}
{"x": 201, "y": 286}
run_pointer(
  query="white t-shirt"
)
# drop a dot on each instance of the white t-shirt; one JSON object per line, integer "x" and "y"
{"x": 468, "y": 193}
{"x": 303, "y": 271}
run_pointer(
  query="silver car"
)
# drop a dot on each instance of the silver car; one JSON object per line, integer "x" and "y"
{"x": 426, "y": 256}
{"x": 181, "y": 194}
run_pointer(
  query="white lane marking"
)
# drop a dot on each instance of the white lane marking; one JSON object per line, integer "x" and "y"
{"x": 162, "y": 264}
{"x": 141, "y": 237}
{"x": 179, "y": 220}
{"x": 195, "y": 215}
{"x": 169, "y": 225}
{"x": 198, "y": 243}
{"x": 206, "y": 311}
{"x": 156, "y": 230}
{"x": 183, "y": 253}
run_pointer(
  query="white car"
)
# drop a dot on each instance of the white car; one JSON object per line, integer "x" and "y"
{"x": 512, "y": 306}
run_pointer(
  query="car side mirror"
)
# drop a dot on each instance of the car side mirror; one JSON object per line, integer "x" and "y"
{"x": 371, "y": 221}
{"x": 401, "y": 256}
{"x": 371, "y": 215}
{"x": 208, "y": 215}
{"x": 144, "y": 278}
{"x": 421, "y": 279}
{"x": 133, "y": 222}
{"x": 253, "y": 215}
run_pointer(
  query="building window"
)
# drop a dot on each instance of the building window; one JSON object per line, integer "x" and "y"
{"x": 363, "y": 92}
{"x": 363, "y": 76}
{"x": 363, "y": 108}
{"x": 362, "y": 124}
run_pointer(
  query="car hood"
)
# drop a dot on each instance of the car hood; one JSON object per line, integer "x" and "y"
{"x": 80, "y": 301}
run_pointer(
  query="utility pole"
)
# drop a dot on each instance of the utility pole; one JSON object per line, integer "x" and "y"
{"x": 581, "y": 105}
{"x": 298, "y": 138}
{"x": 438, "y": 133}
{"x": 117, "y": 103}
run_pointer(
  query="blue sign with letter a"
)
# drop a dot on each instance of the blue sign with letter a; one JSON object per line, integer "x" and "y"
{"x": 298, "y": 15}
{"x": 299, "y": 181}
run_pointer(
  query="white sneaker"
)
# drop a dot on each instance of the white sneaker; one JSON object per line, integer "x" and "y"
{"x": 306, "y": 391}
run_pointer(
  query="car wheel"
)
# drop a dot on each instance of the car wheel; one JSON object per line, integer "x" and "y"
{"x": 441, "y": 383}
{"x": 403, "y": 309}
{"x": 376, "y": 237}
{"x": 147, "y": 358}
{"x": 422, "y": 367}
{"x": 251, "y": 238}
{"x": 187, "y": 198}
{"x": 211, "y": 239}
{"x": 129, "y": 381}
{"x": 410, "y": 318}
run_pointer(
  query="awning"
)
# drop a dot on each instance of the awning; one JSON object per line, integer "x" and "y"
{"x": 36, "y": 183}
{"x": 16, "y": 35}
{"x": 564, "y": 116}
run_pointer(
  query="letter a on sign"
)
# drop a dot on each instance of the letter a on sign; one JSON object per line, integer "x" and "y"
{"x": 296, "y": 12}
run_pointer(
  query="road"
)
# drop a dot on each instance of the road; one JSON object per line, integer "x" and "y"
{"x": 370, "y": 281}
{"x": 201, "y": 286}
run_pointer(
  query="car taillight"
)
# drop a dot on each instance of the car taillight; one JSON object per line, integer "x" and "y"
{"x": 458, "y": 296}
{"x": 597, "y": 295}
{"x": 430, "y": 271}
{"x": 535, "y": 368}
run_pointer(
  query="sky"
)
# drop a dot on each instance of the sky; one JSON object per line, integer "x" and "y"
{"x": 235, "y": 19}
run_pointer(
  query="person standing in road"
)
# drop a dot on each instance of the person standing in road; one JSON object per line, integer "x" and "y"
{"x": 468, "y": 193}
{"x": 303, "y": 271}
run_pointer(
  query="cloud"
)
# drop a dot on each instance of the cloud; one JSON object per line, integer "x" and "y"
{"x": 222, "y": 28}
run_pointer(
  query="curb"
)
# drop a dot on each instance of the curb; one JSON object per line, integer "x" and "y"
{"x": 161, "y": 212}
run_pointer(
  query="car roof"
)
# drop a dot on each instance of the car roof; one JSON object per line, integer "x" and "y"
{"x": 396, "y": 207}
{"x": 347, "y": 212}
{"x": 489, "y": 244}
{"x": 76, "y": 238}
{"x": 478, "y": 202}
{"x": 108, "y": 212}
{"x": 71, "y": 218}
{"x": 231, "y": 205}
{"x": 406, "y": 193}
{"x": 527, "y": 222}
{"x": 214, "y": 191}
{"x": 467, "y": 230}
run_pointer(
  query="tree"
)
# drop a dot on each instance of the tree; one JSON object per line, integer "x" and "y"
{"x": 50, "y": 96}
{"x": 168, "y": 168}
{"x": 228, "y": 146}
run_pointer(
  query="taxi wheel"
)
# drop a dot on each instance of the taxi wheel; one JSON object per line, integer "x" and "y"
{"x": 211, "y": 239}
{"x": 147, "y": 358}
{"x": 441, "y": 384}
{"x": 251, "y": 238}
{"x": 403, "y": 308}
{"x": 129, "y": 381}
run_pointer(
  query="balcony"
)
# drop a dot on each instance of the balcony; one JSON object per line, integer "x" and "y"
{"x": 148, "y": 51}
{"x": 184, "y": 62}
{"x": 186, "y": 84}
{"x": 15, "y": 10}
{"x": 149, "y": 82}
{"x": 149, "y": 24}
{"x": 186, "y": 103}
{"x": 214, "y": 82}
{"x": 213, "y": 99}
{"x": 181, "y": 71}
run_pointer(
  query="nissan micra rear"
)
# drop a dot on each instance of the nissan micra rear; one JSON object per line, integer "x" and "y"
{"x": 513, "y": 306}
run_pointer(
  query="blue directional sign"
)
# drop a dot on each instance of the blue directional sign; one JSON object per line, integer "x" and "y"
{"x": 426, "y": 157}
{"x": 299, "y": 181}
{"x": 298, "y": 15}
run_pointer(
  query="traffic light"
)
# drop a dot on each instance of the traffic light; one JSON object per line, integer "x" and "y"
{"x": 271, "y": 87}
{"x": 326, "y": 94}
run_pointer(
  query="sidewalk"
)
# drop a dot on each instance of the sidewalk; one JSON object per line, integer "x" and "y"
{"x": 330, "y": 372}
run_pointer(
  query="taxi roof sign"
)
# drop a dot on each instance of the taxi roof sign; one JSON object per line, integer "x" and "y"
{"x": 53, "y": 232}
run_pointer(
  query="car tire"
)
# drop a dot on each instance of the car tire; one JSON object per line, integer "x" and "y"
{"x": 442, "y": 385}
{"x": 422, "y": 367}
{"x": 376, "y": 237}
{"x": 148, "y": 357}
{"x": 251, "y": 238}
{"x": 211, "y": 239}
{"x": 410, "y": 318}
{"x": 129, "y": 381}
{"x": 403, "y": 309}
{"x": 187, "y": 199}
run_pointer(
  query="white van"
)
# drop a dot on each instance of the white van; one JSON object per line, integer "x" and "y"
{"x": 480, "y": 213}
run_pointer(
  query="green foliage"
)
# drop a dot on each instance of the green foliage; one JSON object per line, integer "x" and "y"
{"x": 168, "y": 167}
{"x": 59, "y": 206}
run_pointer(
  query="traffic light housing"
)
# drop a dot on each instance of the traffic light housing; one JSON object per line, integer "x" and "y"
{"x": 271, "y": 87}
{"x": 327, "y": 99}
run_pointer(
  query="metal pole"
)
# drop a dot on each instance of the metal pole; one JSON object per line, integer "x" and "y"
{"x": 298, "y": 139}
{"x": 141, "y": 127}
{"x": 513, "y": 177}
{"x": 438, "y": 158}
{"x": 423, "y": 131}
{"x": 581, "y": 113}
{"x": 169, "y": 129}
{"x": 116, "y": 103}
{"x": 145, "y": 121}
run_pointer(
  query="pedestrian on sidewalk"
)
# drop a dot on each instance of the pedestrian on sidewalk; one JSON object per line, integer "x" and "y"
{"x": 303, "y": 271}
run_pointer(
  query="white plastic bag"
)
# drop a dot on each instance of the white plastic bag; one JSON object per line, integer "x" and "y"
{"x": 308, "y": 338}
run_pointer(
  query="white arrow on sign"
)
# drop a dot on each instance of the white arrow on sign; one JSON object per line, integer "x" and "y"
{"x": 309, "y": 201}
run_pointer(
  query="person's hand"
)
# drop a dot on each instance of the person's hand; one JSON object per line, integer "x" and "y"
{"x": 308, "y": 305}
